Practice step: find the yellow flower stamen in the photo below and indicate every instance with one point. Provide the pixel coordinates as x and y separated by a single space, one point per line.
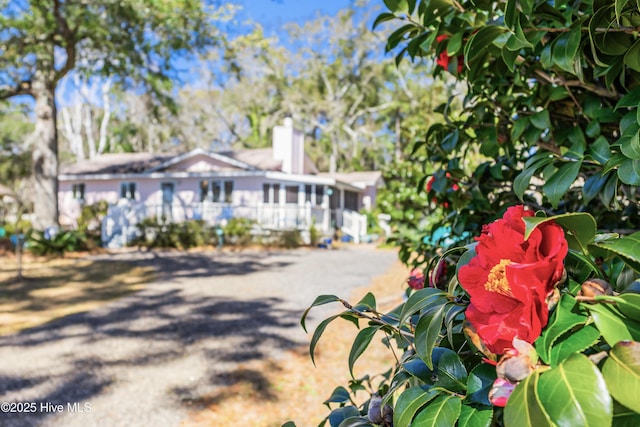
497 279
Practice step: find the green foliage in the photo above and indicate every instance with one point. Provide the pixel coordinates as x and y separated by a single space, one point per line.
38 243
184 235
90 220
237 231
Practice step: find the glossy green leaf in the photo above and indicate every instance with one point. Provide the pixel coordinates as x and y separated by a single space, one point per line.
471 416
621 371
630 100
541 120
322 299
627 247
611 325
566 316
451 373
558 184
629 305
521 182
524 408
600 150
442 412
455 43
419 369
356 422
624 417
367 303
632 57
360 344
338 415
480 41
409 402
479 383
397 6
421 299
574 342
592 186
565 49
629 172
630 145
383 17
339 395
575 394
317 334
581 225
427 333
289 424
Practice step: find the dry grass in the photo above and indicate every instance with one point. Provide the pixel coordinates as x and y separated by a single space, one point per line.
53 288
269 393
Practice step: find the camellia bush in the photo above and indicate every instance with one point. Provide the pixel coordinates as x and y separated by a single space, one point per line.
526 310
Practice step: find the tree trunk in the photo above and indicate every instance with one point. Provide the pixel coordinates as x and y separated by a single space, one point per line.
45 152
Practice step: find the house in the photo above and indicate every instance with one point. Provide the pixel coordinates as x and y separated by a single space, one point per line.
278 187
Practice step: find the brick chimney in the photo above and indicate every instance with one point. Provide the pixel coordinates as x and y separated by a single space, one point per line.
288 147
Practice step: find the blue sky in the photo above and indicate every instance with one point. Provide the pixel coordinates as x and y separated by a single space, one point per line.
272 14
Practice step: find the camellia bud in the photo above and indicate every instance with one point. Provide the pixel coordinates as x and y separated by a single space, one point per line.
517 363
375 411
595 287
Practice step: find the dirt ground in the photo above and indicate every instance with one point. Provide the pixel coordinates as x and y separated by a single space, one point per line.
269 393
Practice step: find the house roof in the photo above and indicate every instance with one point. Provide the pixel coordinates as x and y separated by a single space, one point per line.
116 163
262 158
359 179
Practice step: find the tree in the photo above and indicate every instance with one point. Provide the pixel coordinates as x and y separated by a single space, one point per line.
138 43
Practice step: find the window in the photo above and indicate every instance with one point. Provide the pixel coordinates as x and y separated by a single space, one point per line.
216 191
307 193
265 193
291 194
78 191
319 194
228 191
276 193
351 200
128 190
204 191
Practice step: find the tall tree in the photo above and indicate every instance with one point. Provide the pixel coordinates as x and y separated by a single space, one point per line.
139 42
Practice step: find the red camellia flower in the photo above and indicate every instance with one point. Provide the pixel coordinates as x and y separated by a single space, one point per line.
509 279
416 279
444 59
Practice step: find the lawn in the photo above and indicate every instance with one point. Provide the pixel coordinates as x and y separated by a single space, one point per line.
53 288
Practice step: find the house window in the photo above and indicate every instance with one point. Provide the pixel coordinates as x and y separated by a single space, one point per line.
319 194
204 191
351 200
265 193
291 192
228 191
128 190
78 191
307 193
276 193
212 191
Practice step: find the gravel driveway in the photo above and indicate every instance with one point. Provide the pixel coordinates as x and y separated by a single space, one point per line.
140 360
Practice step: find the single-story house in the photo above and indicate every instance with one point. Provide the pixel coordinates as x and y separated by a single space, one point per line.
278 187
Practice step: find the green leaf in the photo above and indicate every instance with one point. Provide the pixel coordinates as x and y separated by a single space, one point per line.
360 344
521 182
289 424
592 186
356 422
566 316
565 49
524 408
339 395
383 17
455 43
627 247
600 150
409 402
480 42
420 300
575 394
629 305
630 145
322 299
629 172
621 372
418 369
575 342
367 303
630 100
558 184
426 335
338 415
632 57
442 412
541 120
317 334
451 373
612 327
580 225
397 6
479 383
471 416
